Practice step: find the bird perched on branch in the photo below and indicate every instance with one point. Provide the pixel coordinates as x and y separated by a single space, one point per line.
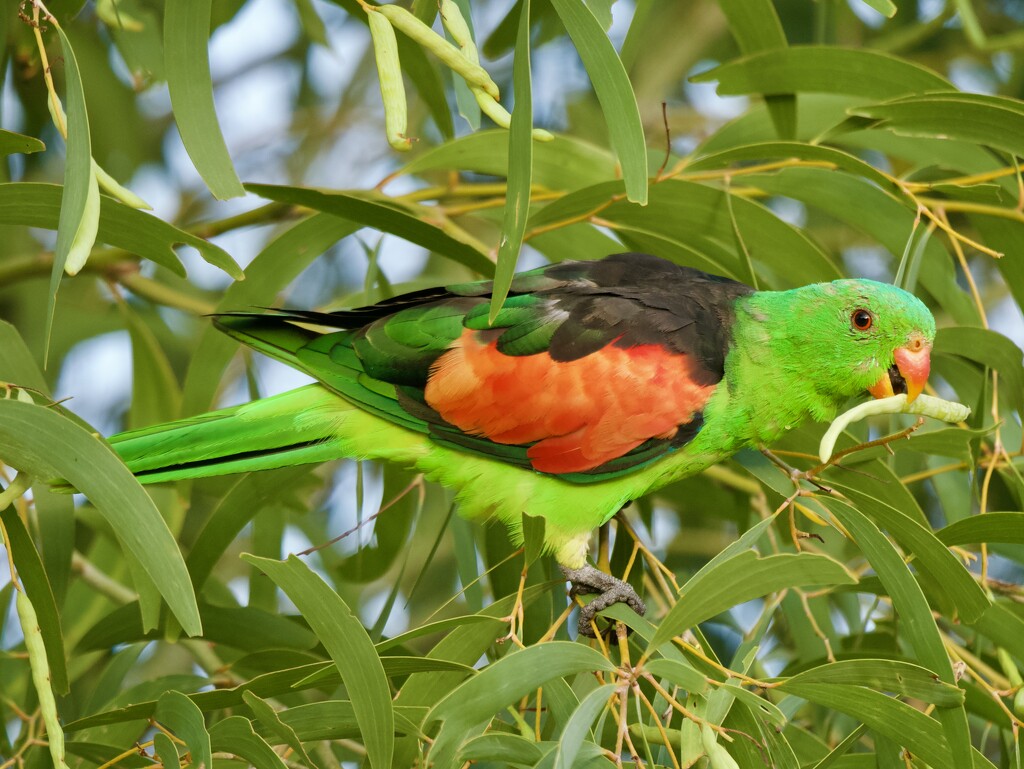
597 383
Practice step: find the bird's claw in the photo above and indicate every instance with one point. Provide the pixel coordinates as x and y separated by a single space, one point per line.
588 580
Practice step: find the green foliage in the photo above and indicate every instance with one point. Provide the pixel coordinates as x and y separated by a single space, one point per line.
889 633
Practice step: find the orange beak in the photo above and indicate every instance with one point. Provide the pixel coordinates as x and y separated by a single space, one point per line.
910 372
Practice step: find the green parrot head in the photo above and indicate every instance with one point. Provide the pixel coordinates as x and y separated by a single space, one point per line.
857 335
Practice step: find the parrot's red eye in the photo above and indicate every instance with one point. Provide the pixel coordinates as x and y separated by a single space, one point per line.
862 320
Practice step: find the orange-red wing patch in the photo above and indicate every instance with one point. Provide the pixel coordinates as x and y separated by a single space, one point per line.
581 413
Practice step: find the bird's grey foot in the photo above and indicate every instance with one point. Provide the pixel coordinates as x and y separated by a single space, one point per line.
589 580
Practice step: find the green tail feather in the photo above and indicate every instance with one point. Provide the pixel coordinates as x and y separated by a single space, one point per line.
289 429
297 427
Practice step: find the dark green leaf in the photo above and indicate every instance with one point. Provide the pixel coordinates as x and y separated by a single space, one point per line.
165 749
682 674
932 557
578 730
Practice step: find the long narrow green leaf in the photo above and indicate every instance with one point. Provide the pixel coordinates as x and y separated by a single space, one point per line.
179 714
270 719
989 348
44 443
336 720
386 216
502 749
394 666
17 366
740 578
682 674
991 527
237 507
55 513
55 520
991 120
156 395
921 735
580 724
235 735
187 62
915 615
349 645
840 750
79 212
765 150
432 627
165 750
564 163
520 168
903 678
940 564
756 26
241 627
823 69
39 205
512 677
1004 627
467 103
614 92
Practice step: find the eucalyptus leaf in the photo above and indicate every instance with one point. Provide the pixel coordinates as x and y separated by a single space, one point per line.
41 442
187 63
348 644
743 577
823 69
613 91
